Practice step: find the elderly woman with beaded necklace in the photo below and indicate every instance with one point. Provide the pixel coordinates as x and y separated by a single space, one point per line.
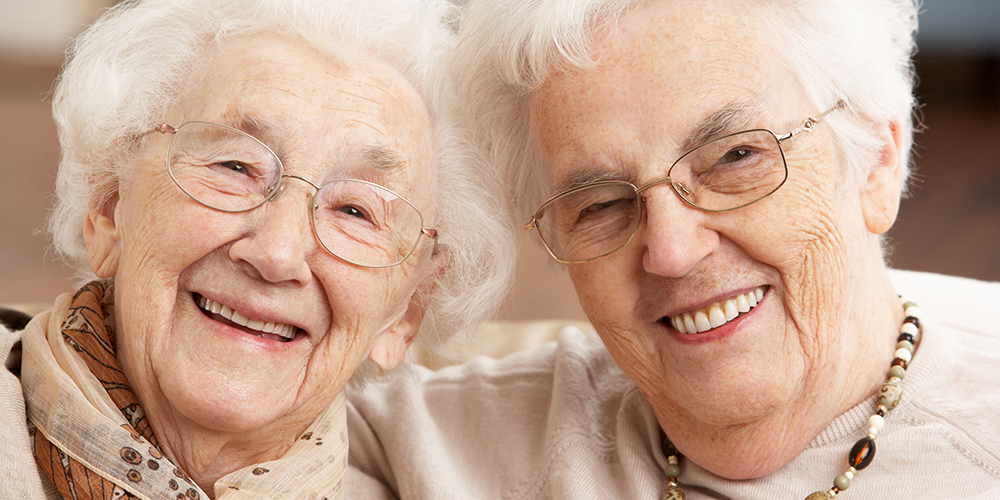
718 177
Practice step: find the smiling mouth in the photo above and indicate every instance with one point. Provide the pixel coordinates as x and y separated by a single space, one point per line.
716 314
225 314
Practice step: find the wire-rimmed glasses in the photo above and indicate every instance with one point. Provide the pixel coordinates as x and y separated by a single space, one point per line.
226 169
721 175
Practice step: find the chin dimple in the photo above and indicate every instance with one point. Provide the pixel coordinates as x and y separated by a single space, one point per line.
717 314
286 332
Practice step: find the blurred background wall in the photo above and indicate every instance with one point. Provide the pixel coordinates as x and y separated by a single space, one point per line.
950 225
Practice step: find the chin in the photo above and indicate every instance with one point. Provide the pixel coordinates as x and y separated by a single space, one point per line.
224 406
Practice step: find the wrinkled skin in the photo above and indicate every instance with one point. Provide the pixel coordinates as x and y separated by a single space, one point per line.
220 398
745 398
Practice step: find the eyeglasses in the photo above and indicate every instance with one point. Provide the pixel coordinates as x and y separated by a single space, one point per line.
228 170
724 174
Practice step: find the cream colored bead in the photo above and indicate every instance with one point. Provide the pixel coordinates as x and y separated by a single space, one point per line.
876 422
904 354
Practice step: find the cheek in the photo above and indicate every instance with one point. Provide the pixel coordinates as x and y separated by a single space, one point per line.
808 240
607 289
799 225
361 299
164 230
163 233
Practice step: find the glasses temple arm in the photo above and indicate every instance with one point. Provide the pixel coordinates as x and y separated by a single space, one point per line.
811 122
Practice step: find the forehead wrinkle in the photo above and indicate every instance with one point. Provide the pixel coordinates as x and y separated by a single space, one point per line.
391 92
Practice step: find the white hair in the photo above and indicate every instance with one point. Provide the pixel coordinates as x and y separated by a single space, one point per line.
126 70
858 51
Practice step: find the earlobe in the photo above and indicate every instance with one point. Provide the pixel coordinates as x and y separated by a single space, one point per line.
102 237
883 187
389 348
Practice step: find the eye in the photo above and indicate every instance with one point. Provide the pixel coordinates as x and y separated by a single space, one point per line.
352 211
735 155
597 207
236 166
603 214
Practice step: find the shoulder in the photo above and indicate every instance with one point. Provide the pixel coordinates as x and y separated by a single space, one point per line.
953 378
488 421
954 300
17 463
575 369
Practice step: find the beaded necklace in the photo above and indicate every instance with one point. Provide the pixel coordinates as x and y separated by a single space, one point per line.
863 451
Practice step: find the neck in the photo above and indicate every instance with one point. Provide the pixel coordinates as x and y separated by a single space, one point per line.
208 455
851 373
207 458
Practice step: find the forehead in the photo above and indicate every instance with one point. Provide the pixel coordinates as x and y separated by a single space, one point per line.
325 113
670 75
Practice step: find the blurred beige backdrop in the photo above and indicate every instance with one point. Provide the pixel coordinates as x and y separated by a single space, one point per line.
951 224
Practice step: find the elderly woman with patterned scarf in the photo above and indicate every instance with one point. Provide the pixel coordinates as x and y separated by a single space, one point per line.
717 177
264 195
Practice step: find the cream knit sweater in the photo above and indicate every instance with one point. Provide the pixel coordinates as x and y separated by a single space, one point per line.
564 422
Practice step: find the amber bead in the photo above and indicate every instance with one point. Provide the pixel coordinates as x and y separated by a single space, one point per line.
862 453
900 362
912 319
905 336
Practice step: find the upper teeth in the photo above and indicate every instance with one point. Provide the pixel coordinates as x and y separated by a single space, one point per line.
280 329
718 313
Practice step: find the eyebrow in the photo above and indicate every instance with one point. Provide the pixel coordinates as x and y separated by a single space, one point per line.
382 158
257 128
731 118
585 176
735 116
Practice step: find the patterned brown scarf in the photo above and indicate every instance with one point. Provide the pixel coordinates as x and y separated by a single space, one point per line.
88 330
91 452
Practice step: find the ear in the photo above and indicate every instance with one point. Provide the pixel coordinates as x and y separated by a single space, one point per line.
389 347
101 234
884 186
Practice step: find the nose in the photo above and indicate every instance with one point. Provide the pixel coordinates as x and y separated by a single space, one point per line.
280 239
674 234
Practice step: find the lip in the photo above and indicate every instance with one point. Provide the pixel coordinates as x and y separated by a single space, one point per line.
244 333
719 333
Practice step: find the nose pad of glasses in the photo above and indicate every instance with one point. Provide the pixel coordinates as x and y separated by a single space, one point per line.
275 190
683 192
